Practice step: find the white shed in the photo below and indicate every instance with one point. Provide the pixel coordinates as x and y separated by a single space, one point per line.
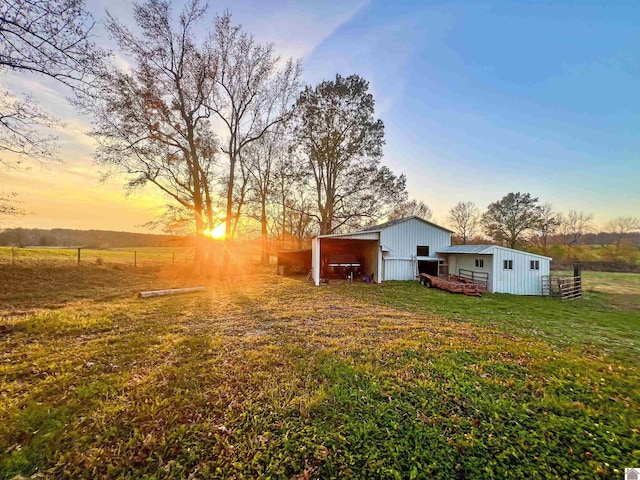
395 250
509 270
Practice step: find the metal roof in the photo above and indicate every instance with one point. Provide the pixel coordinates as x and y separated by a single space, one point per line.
478 249
351 235
484 250
400 220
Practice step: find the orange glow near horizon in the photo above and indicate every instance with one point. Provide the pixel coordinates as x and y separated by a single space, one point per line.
218 233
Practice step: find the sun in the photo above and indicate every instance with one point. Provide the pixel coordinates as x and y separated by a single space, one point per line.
217 233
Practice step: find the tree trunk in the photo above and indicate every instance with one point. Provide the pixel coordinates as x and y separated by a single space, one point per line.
283 197
265 237
199 243
324 228
227 224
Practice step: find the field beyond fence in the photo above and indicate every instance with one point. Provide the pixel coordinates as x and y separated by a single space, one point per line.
138 256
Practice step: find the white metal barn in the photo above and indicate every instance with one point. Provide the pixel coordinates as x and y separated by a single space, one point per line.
395 250
509 271
400 249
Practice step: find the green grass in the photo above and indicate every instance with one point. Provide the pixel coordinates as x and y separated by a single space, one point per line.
142 256
24 288
268 377
605 322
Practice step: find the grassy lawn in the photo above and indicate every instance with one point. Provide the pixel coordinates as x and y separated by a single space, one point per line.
269 377
142 256
605 323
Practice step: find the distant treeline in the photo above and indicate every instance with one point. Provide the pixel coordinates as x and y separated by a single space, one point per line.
61 237
604 238
600 238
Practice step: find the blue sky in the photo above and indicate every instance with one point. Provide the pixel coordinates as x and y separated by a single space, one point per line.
483 99
478 99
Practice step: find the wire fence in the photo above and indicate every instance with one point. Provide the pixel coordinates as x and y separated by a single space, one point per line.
136 257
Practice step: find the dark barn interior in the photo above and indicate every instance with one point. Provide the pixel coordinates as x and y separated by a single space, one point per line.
294 262
341 258
430 267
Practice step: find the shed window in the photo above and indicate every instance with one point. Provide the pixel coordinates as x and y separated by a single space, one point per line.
423 250
535 264
480 262
507 264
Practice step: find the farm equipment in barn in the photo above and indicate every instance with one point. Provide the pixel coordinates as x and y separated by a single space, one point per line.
453 283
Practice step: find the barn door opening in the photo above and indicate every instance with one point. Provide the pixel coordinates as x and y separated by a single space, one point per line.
430 267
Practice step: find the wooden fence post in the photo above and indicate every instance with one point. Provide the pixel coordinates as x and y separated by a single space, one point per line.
135 258
79 255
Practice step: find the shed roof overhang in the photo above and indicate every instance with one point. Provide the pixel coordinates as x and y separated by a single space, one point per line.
484 250
370 235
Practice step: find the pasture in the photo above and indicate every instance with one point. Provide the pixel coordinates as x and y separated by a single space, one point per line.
142 256
269 377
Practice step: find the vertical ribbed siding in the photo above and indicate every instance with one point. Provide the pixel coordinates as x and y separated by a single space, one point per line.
403 238
452 264
399 270
402 241
467 261
521 280
315 260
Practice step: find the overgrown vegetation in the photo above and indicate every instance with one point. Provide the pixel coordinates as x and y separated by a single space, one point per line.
271 377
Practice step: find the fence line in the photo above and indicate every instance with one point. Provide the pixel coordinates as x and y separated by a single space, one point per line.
143 256
567 288
570 288
476 277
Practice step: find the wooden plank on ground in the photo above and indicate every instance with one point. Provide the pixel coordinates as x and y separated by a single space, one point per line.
171 291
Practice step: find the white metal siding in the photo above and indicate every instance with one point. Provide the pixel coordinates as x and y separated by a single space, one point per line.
315 260
468 262
452 263
399 269
521 280
402 241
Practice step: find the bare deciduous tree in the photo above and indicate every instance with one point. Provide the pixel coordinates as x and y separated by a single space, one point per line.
299 217
20 121
291 199
549 224
262 158
573 226
152 122
49 37
342 143
44 37
253 94
8 205
411 208
464 217
620 227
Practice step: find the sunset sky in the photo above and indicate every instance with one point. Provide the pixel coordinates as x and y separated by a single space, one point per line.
478 100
